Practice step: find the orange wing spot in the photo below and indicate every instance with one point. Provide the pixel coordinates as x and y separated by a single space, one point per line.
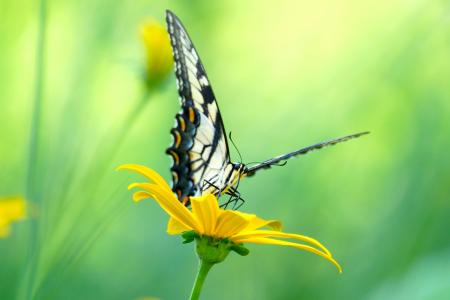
191 114
175 156
177 136
178 193
182 124
185 200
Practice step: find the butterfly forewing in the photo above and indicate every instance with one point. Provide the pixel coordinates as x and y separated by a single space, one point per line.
200 148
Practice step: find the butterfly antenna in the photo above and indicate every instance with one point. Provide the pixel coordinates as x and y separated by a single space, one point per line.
234 145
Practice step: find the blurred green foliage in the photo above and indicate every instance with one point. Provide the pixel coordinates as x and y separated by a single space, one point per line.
286 74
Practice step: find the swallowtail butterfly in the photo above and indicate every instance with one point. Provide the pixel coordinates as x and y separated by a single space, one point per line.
201 158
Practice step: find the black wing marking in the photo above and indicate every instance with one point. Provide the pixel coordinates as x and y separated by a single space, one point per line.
282 158
200 153
193 84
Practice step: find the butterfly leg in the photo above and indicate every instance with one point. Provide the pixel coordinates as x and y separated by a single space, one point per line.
232 199
207 184
235 198
225 205
239 200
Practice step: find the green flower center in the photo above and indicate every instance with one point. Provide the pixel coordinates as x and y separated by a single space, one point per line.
213 250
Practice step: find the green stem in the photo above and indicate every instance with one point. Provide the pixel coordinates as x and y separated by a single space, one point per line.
37 102
26 288
203 270
130 120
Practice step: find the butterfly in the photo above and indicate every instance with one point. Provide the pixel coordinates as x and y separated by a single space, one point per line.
200 152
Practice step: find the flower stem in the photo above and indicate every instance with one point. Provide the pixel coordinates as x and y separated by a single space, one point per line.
203 270
37 102
26 289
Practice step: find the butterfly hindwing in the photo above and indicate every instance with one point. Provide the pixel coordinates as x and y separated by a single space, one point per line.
183 133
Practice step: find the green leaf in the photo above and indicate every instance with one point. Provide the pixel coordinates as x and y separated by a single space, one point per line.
240 249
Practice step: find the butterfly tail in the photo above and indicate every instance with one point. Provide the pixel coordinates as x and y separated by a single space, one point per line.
281 160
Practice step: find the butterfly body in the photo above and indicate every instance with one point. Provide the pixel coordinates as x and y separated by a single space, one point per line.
224 180
200 152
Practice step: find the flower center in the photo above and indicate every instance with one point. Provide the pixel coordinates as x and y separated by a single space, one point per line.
213 250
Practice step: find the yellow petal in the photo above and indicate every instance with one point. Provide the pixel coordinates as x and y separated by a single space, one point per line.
257 222
269 241
12 208
206 210
147 172
138 196
176 227
231 222
271 233
168 202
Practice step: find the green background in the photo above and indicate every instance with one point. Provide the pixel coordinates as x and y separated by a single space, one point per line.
286 74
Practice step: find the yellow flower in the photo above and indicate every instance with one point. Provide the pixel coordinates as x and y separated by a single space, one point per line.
207 219
159 59
11 209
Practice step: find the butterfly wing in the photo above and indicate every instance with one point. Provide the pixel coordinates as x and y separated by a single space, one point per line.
250 171
200 148
201 161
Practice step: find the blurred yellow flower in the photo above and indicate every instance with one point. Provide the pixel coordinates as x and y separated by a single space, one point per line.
207 219
11 209
159 59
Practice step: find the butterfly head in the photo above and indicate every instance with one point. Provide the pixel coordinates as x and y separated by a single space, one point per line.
239 169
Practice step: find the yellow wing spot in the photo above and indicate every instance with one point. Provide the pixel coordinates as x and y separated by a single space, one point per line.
175 156
175 176
193 155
